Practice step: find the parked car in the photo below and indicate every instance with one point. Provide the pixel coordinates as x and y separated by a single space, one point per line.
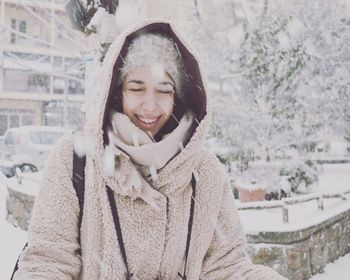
31 144
1 146
8 168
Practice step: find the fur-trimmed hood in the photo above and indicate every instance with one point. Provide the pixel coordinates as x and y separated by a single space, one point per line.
196 95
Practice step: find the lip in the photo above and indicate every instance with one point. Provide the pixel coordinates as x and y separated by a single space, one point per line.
149 125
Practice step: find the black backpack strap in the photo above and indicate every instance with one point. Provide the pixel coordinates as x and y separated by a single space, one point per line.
116 220
78 180
190 223
118 230
16 266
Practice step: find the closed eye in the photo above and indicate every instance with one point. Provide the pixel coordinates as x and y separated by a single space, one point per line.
135 89
166 91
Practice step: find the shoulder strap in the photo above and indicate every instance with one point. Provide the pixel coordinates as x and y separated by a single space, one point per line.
16 265
118 230
190 222
78 180
115 215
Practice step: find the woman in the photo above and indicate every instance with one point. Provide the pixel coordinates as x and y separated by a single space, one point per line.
157 204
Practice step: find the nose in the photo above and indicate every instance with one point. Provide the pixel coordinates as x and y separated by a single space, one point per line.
149 102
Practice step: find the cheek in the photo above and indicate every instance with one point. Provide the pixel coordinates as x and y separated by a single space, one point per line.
129 104
167 105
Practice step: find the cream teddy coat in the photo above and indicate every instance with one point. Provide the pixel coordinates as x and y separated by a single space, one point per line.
154 235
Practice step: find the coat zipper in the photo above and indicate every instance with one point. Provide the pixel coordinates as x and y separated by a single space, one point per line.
166 236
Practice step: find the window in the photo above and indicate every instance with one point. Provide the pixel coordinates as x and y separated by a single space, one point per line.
15 80
58 63
27 119
75 87
44 137
19 26
14 27
9 138
38 83
3 124
15 117
61 28
22 26
58 85
72 87
14 120
13 23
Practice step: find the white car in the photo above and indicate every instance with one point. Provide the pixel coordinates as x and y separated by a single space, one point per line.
31 144
1 146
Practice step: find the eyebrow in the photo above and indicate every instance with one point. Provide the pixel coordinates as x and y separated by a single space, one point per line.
160 83
136 82
165 83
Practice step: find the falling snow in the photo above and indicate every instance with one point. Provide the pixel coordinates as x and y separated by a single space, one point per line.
279 80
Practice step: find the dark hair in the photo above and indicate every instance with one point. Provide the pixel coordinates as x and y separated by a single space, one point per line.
178 111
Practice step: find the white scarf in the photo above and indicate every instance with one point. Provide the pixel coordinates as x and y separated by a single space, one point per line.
149 156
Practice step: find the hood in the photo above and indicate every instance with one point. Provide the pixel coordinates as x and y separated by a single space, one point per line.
195 91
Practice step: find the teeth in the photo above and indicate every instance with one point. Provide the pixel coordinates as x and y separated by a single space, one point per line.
148 121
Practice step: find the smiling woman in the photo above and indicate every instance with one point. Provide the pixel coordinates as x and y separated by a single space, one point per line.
152 77
152 97
148 98
157 203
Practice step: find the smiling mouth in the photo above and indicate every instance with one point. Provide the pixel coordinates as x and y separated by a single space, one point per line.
147 123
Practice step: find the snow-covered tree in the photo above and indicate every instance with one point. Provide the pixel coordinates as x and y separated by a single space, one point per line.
286 73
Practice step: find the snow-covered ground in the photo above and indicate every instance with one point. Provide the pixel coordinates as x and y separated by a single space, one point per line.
339 270
334 178
12 239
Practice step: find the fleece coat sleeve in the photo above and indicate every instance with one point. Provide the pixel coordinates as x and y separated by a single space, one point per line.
226 258
53 231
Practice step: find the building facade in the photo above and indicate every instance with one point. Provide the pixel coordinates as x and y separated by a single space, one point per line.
41 66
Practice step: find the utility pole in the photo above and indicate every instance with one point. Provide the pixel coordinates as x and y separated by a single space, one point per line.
2 61
65 100
52 38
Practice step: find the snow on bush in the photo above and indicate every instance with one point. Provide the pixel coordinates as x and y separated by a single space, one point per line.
302 176
279 178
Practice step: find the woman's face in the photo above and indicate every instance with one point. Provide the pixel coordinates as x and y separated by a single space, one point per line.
148 97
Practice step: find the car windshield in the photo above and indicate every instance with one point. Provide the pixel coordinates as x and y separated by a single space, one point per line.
45 137
9 138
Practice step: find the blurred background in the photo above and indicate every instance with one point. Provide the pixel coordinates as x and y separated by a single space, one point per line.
278 73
